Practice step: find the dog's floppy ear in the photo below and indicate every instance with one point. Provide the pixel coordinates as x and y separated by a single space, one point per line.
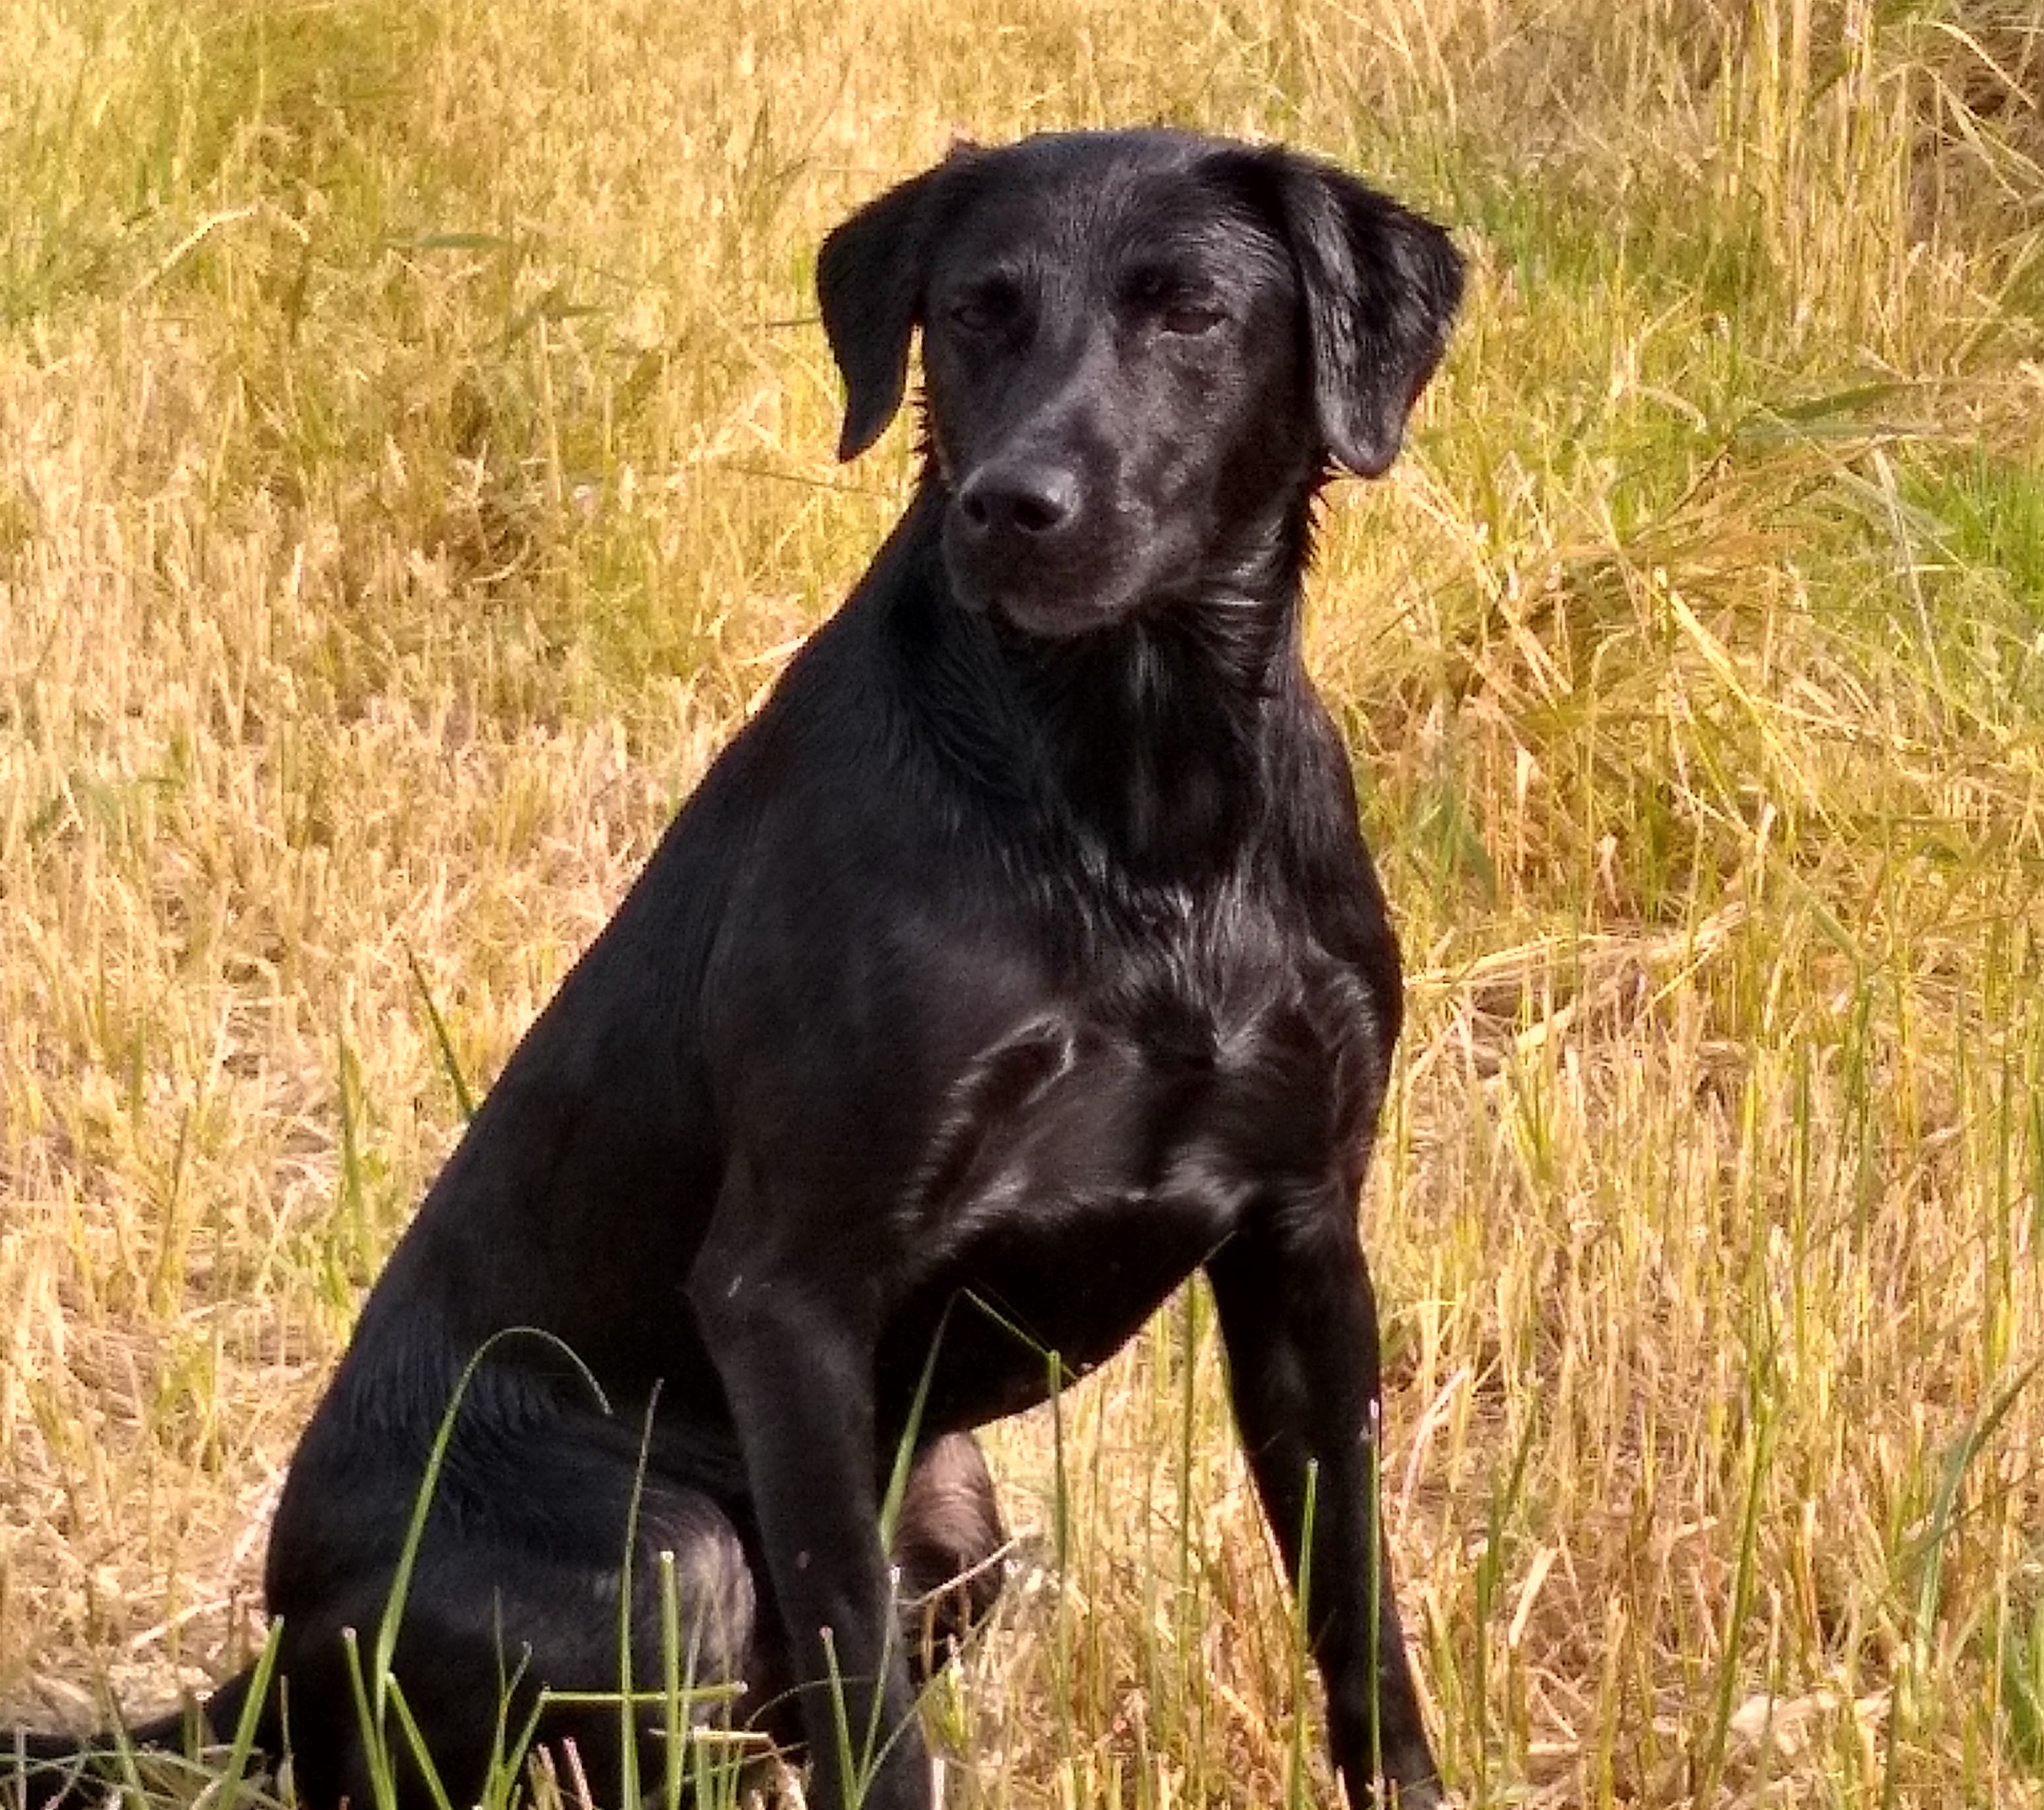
1380 287
870 278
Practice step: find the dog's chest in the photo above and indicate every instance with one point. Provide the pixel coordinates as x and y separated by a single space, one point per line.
1090 1159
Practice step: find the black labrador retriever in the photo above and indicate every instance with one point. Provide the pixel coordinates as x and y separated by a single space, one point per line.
1021 958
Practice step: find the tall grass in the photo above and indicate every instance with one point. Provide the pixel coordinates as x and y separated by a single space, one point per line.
414 458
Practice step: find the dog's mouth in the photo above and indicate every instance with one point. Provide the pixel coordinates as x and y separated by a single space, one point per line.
1053 597
1056 616
1047 613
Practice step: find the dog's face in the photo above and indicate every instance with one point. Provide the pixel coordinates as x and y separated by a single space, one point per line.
1141 351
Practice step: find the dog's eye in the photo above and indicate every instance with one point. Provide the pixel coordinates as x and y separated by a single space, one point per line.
1178 310
982 311
1188 319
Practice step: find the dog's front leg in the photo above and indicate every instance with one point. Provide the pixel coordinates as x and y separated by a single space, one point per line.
1299 1321
799 1384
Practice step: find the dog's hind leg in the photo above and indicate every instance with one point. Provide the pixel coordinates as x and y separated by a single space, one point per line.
521 1617
949 1551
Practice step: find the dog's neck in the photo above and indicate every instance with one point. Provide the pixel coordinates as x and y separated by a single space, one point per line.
1145 745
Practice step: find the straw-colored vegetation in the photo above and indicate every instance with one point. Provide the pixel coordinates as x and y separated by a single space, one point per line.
414 457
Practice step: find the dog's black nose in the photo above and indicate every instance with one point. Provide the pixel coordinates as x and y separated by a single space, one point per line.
1031 499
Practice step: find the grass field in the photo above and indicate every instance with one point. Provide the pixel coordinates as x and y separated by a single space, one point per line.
415 446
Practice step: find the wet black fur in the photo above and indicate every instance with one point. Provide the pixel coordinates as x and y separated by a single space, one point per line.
1019 959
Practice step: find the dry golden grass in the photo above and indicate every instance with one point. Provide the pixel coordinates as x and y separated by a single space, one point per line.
414 446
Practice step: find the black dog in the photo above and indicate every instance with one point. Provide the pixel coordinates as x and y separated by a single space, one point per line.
1019 959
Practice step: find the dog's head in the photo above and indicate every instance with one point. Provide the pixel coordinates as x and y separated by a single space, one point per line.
1141 351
